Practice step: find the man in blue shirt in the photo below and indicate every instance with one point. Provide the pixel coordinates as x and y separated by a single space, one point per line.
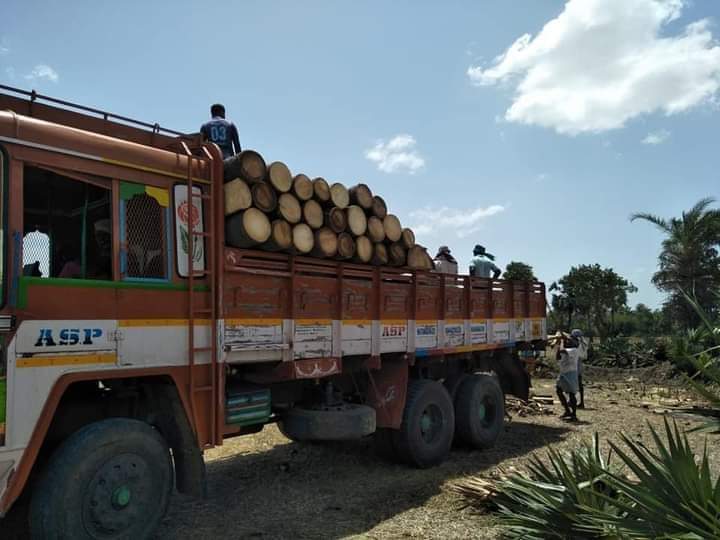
221 132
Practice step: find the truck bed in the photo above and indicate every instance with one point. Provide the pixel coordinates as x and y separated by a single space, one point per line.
282 307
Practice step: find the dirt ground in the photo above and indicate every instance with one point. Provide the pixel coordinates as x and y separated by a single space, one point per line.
263 486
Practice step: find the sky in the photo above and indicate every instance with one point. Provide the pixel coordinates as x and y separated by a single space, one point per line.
533 128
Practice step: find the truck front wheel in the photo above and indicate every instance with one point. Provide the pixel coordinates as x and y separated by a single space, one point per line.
110 479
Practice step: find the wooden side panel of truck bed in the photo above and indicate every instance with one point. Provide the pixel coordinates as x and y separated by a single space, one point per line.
279 307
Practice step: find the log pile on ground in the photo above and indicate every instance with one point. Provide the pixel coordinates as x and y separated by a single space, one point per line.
269 208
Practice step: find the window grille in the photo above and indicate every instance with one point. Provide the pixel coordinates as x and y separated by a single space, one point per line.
145 238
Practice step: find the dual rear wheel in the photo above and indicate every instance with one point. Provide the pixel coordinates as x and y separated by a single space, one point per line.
432 420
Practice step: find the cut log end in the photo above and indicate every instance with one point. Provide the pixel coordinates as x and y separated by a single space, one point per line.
289 208
237 196
361 196
248 165
339 195
326 243
313 214
303 238
408 238
375 229
279 176
302 187
346 246
336 219
263 197
357 222
380 254
379 208
321 189
363 249
281 238
397 255
247 229
393 229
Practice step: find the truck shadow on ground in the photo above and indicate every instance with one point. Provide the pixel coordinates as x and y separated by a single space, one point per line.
330 490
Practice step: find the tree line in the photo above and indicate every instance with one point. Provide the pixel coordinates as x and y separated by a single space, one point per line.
595 298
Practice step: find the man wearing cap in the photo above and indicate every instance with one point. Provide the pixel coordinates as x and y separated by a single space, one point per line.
445 263
222 132
482 264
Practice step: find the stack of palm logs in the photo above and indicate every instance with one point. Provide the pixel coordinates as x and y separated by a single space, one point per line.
269 208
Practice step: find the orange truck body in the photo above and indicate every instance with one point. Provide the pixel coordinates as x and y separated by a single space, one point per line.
271 319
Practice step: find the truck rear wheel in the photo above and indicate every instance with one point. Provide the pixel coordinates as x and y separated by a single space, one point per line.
110 479
426 433
479 411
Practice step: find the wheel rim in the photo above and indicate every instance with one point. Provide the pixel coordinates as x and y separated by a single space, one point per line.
431 423
119 496
487 411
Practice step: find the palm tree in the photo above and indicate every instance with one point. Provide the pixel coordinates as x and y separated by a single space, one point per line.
688 259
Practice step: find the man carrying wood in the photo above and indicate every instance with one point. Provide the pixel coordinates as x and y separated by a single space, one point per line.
582 356
221 132
567 381
482 264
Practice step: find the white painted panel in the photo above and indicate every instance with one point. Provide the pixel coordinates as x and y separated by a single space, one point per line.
356 338
312 340
500 331
478 332
393 337
426 335
454 334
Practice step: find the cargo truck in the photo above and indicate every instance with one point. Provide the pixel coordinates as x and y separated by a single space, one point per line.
133 338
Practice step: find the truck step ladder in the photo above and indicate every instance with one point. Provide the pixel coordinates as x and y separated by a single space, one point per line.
202 300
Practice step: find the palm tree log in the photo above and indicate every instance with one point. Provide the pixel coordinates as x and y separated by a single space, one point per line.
279 176
346 246
303 238
357 222
361 196
237 196
302 187
313 214
247 165
263 197
289 208
393 229
247 229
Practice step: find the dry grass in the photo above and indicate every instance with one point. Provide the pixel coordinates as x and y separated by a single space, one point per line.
263 486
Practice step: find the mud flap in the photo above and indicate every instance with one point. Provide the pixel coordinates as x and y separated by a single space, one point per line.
388 391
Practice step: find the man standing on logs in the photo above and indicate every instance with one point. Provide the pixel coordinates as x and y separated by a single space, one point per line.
221 132
482 264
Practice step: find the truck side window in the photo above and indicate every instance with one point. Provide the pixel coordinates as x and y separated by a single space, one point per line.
67 226
144 234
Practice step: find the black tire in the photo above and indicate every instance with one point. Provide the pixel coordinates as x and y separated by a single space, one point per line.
479 411
342 423
426 433
110 479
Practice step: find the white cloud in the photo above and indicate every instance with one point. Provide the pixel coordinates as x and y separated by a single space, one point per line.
602 62
4 50
541 177
433 221
396 155
43 71
656 137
